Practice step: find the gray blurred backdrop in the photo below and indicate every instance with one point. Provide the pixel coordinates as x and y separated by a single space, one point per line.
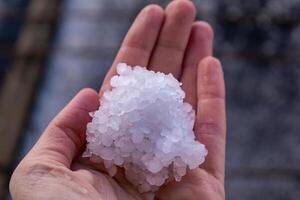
258 42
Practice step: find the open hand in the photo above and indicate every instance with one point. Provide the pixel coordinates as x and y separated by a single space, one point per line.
169 41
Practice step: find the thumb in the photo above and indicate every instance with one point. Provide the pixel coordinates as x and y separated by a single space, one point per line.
65 135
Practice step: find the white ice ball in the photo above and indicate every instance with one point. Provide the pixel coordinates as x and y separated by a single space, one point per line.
144 126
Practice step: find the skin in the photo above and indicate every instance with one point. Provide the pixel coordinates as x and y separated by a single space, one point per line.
167 40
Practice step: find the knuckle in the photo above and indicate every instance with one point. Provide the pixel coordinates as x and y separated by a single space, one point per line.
208 128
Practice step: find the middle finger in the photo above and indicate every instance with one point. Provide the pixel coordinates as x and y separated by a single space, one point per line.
168 54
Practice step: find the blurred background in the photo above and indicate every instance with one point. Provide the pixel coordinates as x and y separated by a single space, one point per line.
49 50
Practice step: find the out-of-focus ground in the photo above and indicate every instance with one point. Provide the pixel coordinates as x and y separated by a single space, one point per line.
258 42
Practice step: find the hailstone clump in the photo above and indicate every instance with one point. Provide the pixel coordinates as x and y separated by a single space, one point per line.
144 126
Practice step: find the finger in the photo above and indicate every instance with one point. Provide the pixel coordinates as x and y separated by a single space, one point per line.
169 51
200 45
211 125
65 135
139 41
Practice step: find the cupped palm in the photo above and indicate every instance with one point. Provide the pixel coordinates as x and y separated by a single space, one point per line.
169 41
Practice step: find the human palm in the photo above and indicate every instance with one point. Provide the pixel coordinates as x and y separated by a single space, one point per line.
169 41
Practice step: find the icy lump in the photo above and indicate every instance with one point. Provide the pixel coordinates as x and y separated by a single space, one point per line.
144 126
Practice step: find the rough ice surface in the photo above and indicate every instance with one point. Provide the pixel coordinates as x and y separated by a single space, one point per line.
144 126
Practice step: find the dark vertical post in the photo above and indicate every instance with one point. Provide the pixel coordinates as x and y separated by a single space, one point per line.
22 76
